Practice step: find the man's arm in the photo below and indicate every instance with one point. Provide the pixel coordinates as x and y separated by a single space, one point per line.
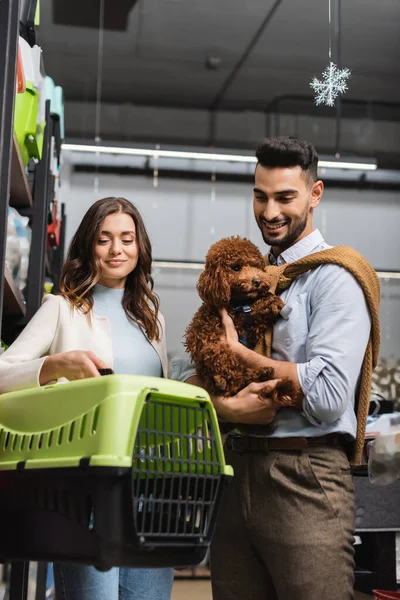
282 369
246 406
339 329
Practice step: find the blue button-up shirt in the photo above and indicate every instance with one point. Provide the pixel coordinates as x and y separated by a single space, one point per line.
324 328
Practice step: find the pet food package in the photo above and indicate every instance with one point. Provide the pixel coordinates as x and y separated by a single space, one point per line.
384 456
18 247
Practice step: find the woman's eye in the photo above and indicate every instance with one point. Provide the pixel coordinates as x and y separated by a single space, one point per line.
127 241
236 268
102 242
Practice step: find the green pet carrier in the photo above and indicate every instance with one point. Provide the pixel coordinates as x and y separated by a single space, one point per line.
113 471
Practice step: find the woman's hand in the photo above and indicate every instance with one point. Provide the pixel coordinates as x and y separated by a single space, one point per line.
248 406
78 364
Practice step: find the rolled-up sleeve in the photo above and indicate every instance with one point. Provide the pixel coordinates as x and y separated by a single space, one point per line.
182 369
339 329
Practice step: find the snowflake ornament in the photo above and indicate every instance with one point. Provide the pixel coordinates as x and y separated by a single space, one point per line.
333 83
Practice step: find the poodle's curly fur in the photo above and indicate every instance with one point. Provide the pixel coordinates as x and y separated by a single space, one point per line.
234 272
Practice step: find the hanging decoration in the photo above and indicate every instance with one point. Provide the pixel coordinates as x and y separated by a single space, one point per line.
99 79
155 168
99 87
334 79
332 85
213 198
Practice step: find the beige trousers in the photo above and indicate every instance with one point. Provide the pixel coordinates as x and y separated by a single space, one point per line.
285 528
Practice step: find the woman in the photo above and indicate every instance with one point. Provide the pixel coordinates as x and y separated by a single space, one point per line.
106 316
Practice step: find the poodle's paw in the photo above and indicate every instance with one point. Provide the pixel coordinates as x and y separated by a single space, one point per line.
285 393
284 400
267 394
220 382
266 375
275 304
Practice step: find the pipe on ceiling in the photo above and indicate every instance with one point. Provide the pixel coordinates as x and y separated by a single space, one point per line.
215 104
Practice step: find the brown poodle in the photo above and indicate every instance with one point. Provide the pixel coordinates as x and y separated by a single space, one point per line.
234 278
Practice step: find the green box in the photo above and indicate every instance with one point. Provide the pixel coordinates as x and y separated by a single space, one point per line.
118 470
114 421
25 125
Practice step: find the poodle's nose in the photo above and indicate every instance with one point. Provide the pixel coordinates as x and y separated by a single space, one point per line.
256 283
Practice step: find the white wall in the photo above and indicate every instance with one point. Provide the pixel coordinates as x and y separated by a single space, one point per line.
185 217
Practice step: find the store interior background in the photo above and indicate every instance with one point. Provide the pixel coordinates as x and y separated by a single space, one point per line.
174 72
185 217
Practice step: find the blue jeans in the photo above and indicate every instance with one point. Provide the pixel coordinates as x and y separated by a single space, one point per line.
78 582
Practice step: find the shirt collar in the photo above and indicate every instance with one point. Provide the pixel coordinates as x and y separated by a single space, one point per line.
302 248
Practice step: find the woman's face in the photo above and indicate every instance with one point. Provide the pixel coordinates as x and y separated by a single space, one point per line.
117 250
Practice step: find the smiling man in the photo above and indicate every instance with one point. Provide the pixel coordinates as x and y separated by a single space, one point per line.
285 197
285 528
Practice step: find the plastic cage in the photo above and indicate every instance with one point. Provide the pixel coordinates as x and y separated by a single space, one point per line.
112 471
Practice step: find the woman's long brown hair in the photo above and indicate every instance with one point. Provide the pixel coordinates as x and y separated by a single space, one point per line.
81 271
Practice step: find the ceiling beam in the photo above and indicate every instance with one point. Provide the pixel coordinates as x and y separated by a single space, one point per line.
86 13
246 53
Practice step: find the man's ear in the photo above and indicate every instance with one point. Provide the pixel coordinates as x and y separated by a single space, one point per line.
316 193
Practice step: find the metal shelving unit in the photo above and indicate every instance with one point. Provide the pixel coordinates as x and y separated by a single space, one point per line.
20 192
13 302
9 24
15 191
43 190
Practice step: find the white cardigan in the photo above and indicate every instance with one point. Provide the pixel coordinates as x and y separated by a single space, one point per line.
55 328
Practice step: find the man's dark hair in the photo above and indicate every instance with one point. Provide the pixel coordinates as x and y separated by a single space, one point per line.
289 152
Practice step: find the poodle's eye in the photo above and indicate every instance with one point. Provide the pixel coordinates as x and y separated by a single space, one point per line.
236 268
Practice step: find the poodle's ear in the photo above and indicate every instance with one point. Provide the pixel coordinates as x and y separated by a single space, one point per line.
213 287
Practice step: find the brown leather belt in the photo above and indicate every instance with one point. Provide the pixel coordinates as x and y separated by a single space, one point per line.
255 444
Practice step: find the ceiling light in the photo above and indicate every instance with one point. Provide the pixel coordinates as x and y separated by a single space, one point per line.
168 264
220 157
159 153
176 264
356 165
388 274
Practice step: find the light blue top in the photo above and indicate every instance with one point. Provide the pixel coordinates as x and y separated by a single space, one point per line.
132 351
325 327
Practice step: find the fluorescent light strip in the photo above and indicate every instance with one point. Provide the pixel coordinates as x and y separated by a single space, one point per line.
387 275
159 153
166 264
329 164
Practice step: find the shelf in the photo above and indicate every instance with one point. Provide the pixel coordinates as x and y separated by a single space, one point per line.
196 572
13 303
20 193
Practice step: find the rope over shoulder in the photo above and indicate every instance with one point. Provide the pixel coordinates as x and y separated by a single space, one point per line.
348 258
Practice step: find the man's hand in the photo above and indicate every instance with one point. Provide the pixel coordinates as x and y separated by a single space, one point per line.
247 407
282 369
230 335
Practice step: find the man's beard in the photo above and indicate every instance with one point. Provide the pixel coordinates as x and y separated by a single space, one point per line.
294 232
